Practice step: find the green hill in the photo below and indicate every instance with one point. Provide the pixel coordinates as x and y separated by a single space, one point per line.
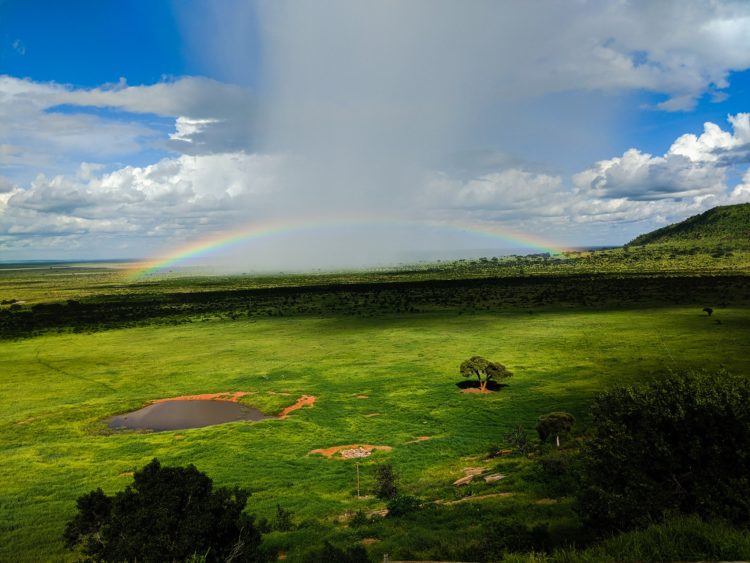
726 224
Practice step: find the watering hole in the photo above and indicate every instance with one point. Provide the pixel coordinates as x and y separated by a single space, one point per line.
180 414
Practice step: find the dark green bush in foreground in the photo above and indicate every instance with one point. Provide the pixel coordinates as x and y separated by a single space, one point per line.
332 554
681 443
684 538
167 514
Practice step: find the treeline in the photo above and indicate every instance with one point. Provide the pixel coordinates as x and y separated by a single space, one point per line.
372 299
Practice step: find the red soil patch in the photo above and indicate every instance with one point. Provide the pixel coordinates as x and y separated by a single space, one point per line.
304 400
332 451
226 396
476 390
418 439
369 541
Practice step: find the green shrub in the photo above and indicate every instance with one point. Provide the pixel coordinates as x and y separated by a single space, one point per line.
519 439
683 538
283 520
504 536
403 504
554 425
681 443
558 472
331 554
167 514
385 482
359 519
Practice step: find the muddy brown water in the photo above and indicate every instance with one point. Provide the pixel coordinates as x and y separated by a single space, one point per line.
177 415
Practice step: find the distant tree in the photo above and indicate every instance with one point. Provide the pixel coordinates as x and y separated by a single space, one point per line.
679 444
167 514
554 424
484 370
385 482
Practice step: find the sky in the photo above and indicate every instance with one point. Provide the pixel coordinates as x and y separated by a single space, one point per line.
351 133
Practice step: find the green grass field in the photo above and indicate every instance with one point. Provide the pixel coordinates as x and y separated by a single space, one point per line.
57 389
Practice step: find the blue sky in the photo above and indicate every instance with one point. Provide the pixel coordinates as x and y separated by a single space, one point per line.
133 127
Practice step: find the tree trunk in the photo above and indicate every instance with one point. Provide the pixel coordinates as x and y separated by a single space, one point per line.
557 440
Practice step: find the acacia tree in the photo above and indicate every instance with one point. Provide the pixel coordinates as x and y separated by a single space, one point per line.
484 370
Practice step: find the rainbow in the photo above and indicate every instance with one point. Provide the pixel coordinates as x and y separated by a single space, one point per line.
220 241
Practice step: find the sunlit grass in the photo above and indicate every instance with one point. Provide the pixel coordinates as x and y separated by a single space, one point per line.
56 391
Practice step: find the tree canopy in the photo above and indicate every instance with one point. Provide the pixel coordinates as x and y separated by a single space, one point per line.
484 370
166 514
554 425
679 444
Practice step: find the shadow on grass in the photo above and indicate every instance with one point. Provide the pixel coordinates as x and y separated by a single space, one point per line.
470 384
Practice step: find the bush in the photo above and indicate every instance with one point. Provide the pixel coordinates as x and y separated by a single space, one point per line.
679 444
331 554
385 482
359 519
518 439
558 472
283 520
403 504
554 425
504 536
167 514
684 538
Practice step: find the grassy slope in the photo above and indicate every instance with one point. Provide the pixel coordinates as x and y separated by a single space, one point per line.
728 224
56 389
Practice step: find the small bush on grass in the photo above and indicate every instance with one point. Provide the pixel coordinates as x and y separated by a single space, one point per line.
519 439
282 522
385 482
403 504
359 519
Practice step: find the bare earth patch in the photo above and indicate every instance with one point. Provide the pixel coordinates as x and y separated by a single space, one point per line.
469 474
362 396
476 390
372 414
350 451
418 439
303 401
230 396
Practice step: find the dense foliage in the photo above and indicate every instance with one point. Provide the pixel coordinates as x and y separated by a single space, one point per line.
167 514
554 425
680 443
484 370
